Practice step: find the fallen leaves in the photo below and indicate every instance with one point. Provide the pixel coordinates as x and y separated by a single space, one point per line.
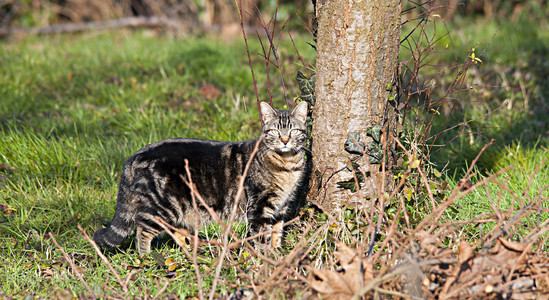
171 264
61 266
506 270
354 272
158 258
6 167
114 80
209 91
62 294
7 210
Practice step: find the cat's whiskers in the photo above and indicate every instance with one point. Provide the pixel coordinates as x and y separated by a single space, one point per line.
305 149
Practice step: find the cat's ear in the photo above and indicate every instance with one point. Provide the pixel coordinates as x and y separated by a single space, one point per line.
300 112
267 112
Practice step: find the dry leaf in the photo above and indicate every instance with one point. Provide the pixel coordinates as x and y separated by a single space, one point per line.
62 294
180 237
171 264
353 274
209 91
6 210
6 167
516 246
427 241
509 253
158 258
465 252
114 80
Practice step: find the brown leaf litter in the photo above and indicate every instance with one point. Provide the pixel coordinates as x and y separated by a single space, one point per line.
354 273
507 270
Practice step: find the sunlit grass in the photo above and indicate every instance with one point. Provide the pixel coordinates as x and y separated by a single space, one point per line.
73 109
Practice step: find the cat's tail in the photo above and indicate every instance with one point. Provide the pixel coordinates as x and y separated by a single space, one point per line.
123 222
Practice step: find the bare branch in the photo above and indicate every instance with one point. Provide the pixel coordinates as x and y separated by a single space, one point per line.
73 266
100 25
105 260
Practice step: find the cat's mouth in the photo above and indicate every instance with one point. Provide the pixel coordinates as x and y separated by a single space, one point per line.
285 150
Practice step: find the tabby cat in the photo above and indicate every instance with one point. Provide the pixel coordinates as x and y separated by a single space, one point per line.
151 183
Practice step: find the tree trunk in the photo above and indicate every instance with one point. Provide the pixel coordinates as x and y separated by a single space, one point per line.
357 51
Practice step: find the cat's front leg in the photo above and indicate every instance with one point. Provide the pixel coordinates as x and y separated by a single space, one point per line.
277 235
269 235
264 219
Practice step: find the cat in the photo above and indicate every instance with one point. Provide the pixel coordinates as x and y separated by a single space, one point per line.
151 184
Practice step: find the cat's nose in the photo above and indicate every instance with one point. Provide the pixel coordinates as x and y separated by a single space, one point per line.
285 139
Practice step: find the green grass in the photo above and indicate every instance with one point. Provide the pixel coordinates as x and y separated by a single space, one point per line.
524 183
503 98
73 109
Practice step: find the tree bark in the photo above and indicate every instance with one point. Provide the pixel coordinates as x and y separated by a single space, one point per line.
357 51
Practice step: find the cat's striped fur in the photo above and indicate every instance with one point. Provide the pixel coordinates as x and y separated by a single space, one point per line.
151 183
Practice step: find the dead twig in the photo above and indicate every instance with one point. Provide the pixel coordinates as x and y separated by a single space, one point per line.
73 266
237 197
161 290
105 260
238 4
196 225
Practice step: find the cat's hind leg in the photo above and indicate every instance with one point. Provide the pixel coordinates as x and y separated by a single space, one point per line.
146 230
144 238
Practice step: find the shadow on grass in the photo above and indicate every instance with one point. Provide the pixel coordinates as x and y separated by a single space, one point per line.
508 128
512 83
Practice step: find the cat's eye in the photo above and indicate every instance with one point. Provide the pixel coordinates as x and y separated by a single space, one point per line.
295 131
273 132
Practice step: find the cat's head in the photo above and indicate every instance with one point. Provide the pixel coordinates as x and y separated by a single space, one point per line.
285 130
